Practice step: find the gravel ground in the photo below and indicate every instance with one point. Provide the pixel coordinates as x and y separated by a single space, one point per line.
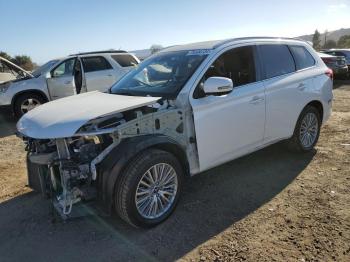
268 206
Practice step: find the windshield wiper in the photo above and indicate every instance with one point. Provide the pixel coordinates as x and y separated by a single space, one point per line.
124 93
143 83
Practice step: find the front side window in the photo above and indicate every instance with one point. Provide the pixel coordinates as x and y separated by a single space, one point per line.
303 59
125 60
237 64
95 63
277 60
163 74
64 69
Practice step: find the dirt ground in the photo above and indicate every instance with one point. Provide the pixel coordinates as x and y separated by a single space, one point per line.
268 206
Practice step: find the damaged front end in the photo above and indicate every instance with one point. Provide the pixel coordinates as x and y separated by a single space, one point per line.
61 169
67 169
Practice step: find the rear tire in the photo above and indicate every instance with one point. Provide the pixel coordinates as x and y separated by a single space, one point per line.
26 102
307 131
141 202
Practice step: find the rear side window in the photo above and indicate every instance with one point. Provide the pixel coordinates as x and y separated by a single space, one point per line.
95 63
277 60
303 59
125 60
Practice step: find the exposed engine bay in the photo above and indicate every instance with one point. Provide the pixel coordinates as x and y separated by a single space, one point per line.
68 168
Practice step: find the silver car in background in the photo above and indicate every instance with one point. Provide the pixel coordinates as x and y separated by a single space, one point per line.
58 78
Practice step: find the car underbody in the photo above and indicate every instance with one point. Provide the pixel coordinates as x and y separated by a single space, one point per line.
69 168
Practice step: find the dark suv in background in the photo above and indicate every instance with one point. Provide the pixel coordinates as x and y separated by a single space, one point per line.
340 52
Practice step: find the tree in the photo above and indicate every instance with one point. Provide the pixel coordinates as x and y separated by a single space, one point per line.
24 62
155 48
5 55
316 41
330 44
325 38
344 41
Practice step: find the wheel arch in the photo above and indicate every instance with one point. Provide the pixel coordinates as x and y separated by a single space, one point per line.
110 169
318 105
28 91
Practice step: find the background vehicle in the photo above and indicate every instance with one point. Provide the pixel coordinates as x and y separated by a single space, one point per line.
67 76
340 52
210 103
336 63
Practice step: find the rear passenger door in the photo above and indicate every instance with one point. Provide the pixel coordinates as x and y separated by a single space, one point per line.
287 79
98 73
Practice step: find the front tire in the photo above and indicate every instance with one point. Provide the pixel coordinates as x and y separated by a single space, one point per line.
26 102
149 188
307 130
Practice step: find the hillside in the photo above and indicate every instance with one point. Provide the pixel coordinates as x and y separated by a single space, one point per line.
332 35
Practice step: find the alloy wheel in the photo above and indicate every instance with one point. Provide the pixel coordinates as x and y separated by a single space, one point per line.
156 191
308 130
29 104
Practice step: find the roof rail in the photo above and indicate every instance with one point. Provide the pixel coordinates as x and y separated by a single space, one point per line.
252 37
99 52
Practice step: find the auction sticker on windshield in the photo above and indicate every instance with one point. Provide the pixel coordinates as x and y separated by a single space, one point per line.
199 52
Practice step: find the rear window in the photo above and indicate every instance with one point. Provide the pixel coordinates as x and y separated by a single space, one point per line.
125 60
343 53
95 63
277 60
303 59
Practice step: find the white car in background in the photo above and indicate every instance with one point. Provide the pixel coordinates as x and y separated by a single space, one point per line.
75 74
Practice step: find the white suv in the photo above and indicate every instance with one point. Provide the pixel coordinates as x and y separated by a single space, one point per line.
182 111
63 77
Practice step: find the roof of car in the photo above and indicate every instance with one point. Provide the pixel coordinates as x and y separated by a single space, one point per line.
338 49
100 52
217 43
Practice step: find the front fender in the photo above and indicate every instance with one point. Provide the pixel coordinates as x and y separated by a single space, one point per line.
110 169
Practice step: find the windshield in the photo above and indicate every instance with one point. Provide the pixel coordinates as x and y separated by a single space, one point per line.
45 67
161 75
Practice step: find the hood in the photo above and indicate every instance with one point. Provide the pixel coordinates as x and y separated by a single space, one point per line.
63 117
17 69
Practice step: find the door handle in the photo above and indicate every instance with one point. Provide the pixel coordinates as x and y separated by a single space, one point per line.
256 100
110 75
301 86
67 82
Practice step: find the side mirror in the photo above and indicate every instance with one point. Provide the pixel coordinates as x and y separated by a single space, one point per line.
48 75
217 85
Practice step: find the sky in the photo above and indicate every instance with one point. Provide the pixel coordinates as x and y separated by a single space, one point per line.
48 29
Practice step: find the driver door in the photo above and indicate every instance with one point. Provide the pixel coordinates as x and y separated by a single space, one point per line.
61 83
231 125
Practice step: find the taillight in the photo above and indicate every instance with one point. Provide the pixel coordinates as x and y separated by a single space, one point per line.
329 73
